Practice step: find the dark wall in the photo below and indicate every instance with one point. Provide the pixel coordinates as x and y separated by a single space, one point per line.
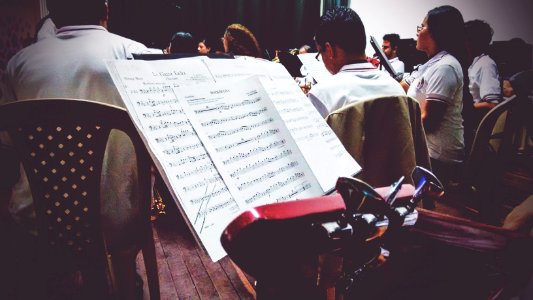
511 56
277 24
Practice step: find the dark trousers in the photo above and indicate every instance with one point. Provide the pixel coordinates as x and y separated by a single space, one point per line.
446 172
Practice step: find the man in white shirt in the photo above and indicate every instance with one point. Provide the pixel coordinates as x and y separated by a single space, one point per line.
390 49
71 65
341 41
483 73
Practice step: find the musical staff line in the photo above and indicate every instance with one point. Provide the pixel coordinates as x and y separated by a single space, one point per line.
274 187
227 106
240 129
241 156
266 176
258 164
234 118
258 137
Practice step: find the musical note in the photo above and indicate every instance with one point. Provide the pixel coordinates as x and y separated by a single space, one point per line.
234 118
227 106
274 187
241 156
153 103
167 124
178 149
196 171
260 136
258 164
202 183
159 114
240 129
174 137
266 176
189 159
209 195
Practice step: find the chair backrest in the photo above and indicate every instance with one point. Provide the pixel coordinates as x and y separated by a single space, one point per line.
498 144
61 144
384 135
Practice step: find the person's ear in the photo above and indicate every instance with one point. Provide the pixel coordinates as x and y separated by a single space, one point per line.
104 15
330 50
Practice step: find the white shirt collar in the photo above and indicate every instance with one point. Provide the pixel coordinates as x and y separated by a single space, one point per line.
358 67
79 28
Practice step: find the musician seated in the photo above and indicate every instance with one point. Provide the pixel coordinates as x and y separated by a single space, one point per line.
341 41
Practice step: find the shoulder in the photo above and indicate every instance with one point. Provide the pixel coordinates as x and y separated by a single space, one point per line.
446 66
26 53
130 45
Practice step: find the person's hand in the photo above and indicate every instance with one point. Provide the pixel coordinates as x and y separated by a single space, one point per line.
521 217
374 61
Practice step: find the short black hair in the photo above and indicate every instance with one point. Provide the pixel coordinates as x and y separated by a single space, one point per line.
479 35
76 12
342 27
183 42
393 38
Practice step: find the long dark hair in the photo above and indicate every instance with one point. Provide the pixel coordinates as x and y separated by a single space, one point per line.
446 26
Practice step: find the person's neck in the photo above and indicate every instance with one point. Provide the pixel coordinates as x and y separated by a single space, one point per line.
432 52
355 59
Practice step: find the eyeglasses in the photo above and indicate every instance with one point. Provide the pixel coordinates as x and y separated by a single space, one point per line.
317 56
419 28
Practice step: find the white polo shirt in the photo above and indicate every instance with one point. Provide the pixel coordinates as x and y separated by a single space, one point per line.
354 82
397 65
484 80
441 79
71 65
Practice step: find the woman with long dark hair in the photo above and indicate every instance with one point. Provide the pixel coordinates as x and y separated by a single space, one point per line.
438 85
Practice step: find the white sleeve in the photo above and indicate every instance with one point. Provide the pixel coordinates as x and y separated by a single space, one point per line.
318 104
442 84
489 87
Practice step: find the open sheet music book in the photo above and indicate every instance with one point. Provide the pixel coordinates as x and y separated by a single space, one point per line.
228 135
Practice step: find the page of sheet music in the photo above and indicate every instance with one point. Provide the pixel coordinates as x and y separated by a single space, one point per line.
247 139
315 67
187 167
321 148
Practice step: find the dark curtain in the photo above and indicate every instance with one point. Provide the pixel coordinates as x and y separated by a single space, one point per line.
277 24
329 4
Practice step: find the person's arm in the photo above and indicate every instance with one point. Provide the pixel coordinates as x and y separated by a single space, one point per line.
489 89
484 104
432 114
404 85
442 86
521 217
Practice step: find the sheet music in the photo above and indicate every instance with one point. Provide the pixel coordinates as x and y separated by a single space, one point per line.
319 145
315 67
269 143
175 145
249 143
321 148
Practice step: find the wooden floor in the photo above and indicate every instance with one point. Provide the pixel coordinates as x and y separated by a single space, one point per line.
185 270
